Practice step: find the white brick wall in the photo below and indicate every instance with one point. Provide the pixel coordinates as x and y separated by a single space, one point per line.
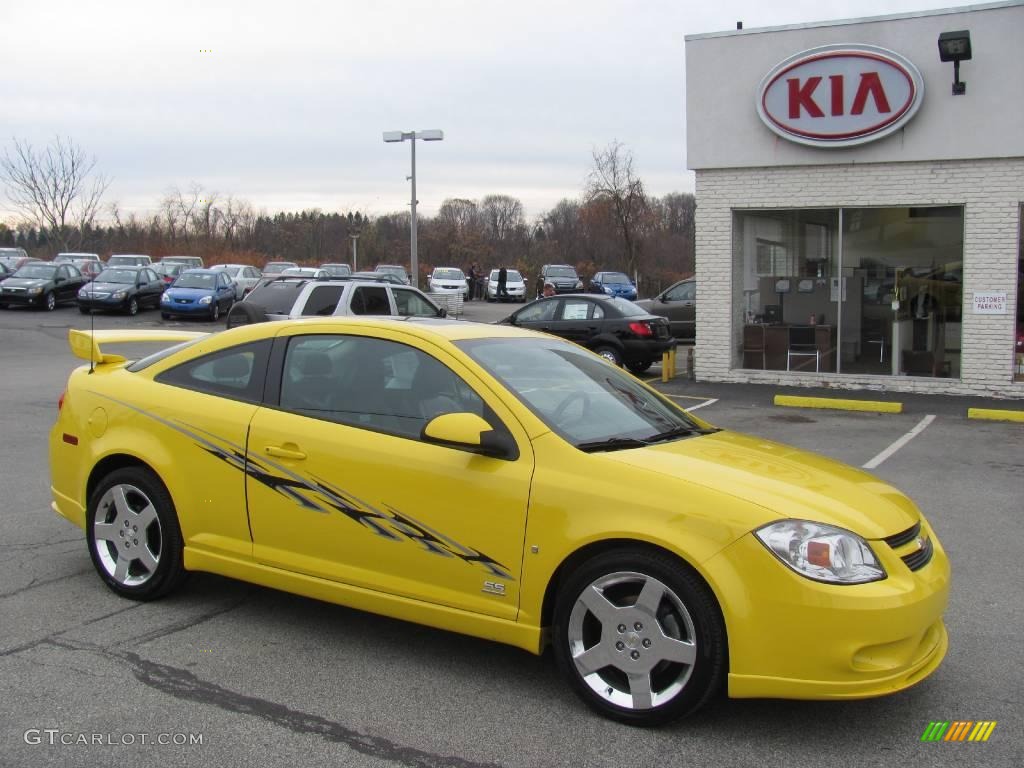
991 192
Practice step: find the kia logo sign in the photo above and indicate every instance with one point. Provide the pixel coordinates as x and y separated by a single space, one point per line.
840 95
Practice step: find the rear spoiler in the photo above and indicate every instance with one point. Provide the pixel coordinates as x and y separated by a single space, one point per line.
87 344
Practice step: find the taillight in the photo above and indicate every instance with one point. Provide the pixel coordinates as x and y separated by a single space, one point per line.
641 329
60 400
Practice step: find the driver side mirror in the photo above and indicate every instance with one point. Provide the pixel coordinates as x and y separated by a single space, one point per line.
470 432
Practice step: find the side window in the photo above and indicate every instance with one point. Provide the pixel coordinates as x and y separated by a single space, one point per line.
411 304
598 313
323 300
684 292
62 273
575 310
539 312
236 373
370 300
371 383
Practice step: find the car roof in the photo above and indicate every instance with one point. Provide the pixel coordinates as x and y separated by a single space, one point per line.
136 267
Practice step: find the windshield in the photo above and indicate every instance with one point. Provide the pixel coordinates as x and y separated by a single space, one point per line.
232 271
196 280
278 266
117 276
38 271
628 308
449 274
511 276
615 277
337 270
561 272
578 395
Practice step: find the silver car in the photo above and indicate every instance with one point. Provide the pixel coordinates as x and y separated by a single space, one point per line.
244 276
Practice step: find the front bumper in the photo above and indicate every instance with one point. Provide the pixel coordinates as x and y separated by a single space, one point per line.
185 308
793 638
108 304
22 299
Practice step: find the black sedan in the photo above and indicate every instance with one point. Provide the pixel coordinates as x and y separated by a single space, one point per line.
41 284
616 329
122 289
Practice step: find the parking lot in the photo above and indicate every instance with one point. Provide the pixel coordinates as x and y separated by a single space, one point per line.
267 678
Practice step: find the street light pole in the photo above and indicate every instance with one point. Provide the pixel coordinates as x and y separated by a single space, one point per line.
355 261
433 134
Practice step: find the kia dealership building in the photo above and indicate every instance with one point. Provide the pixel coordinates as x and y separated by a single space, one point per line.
859 194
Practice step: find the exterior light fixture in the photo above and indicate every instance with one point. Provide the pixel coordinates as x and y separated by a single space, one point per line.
955 47
391 137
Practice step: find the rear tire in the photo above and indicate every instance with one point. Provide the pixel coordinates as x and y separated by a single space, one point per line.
133 535
639 637
638 368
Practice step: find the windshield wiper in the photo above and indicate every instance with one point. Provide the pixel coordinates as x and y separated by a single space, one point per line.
678 432
611 444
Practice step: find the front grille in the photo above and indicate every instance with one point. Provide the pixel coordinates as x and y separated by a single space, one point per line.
921 558
899 539
182 301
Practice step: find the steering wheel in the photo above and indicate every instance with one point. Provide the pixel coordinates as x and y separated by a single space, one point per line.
562 407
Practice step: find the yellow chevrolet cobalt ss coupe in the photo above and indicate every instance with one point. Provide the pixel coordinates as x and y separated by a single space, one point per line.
503 484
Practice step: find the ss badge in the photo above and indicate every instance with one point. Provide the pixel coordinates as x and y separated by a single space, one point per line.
494 588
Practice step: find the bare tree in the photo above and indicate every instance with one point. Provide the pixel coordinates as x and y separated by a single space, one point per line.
55 188
612 181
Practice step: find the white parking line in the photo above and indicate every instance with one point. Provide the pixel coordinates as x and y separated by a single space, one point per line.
712 401
900 443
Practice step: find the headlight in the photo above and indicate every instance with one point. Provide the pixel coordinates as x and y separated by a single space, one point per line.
83 293
822 552
607 289
164 298
206 299
119 295
34 291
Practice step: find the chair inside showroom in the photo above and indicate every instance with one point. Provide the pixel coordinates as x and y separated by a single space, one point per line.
754 346
803 344
873 330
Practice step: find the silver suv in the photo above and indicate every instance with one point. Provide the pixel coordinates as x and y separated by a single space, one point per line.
284 298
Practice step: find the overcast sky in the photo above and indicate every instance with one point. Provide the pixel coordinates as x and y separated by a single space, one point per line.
284 103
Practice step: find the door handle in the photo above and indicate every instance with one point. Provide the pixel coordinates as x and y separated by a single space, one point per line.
285 453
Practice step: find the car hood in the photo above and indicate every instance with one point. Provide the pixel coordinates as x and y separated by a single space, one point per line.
25 282
785 481
112 287
188 293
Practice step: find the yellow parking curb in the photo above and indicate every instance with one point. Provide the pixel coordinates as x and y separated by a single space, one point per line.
875 406
994 414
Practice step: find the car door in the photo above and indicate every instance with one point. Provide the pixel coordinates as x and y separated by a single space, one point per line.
343 487
538 316
225 290
679 305
153 288
578 320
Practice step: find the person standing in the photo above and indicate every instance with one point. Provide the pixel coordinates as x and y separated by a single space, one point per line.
502 290
471 277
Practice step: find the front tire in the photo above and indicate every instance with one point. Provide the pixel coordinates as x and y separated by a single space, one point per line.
133 306
610 354
215 311
133 534
50 302
84 310
639 637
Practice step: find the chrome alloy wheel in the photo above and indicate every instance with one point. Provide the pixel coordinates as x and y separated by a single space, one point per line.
128 535
632 640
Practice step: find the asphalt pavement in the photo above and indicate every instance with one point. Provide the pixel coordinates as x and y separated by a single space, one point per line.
264 678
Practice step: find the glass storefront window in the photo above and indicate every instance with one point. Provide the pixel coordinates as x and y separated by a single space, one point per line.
854 290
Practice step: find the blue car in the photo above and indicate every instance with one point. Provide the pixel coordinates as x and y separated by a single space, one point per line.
613 284
204 292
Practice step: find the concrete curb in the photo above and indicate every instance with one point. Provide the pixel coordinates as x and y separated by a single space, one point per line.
874 406
994 414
